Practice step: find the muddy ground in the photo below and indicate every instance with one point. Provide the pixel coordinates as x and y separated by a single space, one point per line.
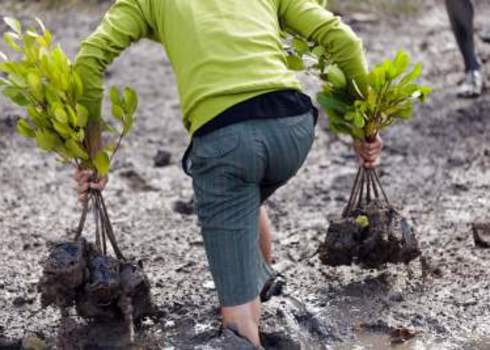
436 169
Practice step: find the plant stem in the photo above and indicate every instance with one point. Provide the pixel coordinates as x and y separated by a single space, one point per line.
381 188
118 145
348 208
361 190
110 232
83 218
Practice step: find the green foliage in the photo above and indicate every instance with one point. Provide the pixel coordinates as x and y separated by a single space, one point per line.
391 94
303 54
43 81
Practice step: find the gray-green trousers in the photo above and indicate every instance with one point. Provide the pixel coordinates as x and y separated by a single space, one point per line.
234 169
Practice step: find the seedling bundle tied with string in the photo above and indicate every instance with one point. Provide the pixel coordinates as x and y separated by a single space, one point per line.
42 80
370 231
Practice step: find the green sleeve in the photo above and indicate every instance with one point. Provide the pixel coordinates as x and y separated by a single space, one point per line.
310 20
122 25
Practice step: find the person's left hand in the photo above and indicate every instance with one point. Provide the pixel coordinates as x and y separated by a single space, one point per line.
369 152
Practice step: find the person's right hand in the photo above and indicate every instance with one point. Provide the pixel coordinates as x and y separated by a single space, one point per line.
86 180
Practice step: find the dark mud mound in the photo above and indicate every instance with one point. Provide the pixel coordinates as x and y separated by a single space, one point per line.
481 234
371 236
101 287
64 272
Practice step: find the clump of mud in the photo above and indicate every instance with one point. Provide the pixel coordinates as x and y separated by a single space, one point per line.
481 234
371 232
385 237
99 286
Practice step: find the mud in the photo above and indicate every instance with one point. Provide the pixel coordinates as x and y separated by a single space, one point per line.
101 288
387 237
481 234
437 168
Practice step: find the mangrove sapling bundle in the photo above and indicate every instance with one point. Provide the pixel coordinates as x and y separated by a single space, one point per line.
44 82
370 232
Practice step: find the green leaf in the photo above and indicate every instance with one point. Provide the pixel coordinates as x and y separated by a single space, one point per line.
60 114
18 80
336 77
295 63
359 121
39 119
130 100
78 85
300 46
102 163
35 85
115 96
377 78
82 115
118 112
3 56
76 149
128 124
358 134
412 76
45 40
14 24
80 135
72 116
401 62
16 95
390 69
350 116
63 130
48 140
330 102
10 40
318 51
24 129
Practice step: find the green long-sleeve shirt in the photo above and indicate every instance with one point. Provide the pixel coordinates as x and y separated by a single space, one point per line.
222 51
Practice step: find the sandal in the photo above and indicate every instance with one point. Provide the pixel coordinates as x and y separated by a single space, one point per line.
273 287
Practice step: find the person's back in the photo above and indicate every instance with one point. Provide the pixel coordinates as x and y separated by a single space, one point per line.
222 52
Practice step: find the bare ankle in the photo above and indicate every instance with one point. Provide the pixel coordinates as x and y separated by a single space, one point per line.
244 320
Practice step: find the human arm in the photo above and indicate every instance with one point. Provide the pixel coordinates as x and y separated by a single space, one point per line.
313 22
123 24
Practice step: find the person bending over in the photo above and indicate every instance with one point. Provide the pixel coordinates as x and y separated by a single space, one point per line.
250 125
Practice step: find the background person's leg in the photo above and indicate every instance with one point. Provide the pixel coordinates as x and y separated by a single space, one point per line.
461 13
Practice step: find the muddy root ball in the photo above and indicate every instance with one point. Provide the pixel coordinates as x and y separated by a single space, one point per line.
64 272
75 274
385 237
